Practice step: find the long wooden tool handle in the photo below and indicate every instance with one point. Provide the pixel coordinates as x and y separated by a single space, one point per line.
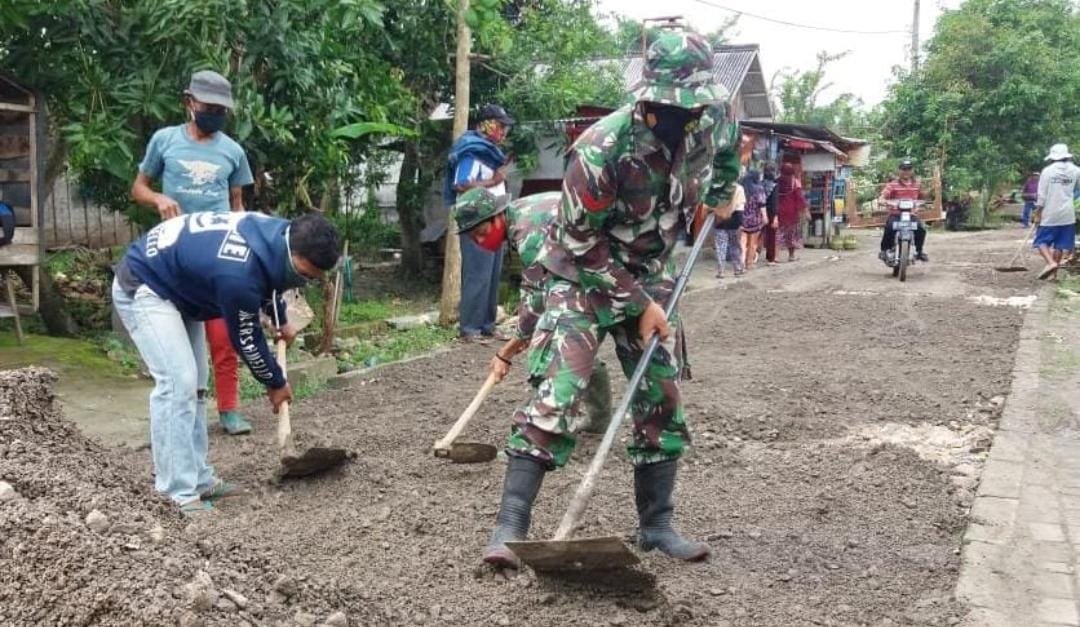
1023 243
468 414
588 483
284 427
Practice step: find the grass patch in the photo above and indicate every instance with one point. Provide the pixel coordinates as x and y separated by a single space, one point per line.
250 389
397 345
62 354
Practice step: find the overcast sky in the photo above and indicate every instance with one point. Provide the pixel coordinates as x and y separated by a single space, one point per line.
865 72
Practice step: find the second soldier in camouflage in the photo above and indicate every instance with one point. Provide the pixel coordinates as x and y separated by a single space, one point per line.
523 224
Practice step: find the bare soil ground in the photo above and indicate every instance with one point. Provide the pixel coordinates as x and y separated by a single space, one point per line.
809 523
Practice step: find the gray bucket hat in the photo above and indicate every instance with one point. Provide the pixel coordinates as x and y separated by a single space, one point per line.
210 87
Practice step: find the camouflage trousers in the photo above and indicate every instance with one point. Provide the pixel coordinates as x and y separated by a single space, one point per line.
562 357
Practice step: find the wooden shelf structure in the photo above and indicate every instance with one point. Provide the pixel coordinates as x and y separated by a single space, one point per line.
22 123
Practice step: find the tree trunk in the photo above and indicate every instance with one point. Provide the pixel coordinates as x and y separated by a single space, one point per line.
410 208
451 283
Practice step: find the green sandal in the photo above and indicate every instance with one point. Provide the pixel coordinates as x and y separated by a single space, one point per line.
196 508
221 489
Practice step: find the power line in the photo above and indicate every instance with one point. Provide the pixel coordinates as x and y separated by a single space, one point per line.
796 25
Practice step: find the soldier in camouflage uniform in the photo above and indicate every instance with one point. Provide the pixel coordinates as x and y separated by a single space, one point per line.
633 179
490 220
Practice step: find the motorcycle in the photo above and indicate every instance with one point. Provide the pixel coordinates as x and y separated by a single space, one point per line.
902 254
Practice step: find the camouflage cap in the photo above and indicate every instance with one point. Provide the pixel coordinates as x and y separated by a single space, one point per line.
476 206
678 71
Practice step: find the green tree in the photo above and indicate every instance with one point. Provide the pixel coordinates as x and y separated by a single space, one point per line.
798 95
999 85
113 72
528 56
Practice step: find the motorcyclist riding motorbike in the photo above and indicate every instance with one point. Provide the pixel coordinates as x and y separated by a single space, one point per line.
904 187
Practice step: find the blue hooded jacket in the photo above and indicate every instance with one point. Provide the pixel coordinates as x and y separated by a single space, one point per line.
474 144
219 265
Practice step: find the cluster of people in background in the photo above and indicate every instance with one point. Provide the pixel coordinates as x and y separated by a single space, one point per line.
768 210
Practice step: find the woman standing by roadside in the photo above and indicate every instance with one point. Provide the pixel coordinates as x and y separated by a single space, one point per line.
754 216
790 207
726 236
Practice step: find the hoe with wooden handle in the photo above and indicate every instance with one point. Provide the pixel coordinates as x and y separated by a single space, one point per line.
467 452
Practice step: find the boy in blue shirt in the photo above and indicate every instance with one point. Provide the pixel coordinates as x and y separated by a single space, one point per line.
201 169
198 267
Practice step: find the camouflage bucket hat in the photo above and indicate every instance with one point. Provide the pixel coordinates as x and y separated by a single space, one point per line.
678 71
476 206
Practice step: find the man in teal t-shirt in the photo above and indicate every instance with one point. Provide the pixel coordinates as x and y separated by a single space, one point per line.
201 169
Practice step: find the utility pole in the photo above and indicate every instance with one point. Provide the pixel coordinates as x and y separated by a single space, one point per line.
451 280
915 40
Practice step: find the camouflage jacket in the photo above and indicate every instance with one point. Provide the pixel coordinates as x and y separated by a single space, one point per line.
527 222
622 199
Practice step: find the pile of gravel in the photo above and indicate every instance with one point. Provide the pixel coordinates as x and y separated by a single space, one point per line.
85 540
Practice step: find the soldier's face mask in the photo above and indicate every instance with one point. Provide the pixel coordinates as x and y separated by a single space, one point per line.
492 239
669 123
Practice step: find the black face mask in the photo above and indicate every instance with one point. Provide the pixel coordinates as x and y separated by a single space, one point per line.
671 123
210 122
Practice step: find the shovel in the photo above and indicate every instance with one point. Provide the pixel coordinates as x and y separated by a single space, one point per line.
312 460
1012 267
609 552
467 452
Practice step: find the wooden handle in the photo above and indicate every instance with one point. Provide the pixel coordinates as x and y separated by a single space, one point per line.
1023 243
284 428
467 415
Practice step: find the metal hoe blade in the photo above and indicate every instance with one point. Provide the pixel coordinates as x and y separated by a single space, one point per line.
581 554
312 461
467 453
1011 268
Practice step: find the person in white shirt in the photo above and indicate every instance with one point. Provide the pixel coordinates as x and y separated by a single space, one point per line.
1054 206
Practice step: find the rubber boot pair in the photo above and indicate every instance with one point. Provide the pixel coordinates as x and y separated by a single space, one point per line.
653 486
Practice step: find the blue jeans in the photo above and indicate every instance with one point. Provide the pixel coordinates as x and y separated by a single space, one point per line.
480 274
174 350
1025 218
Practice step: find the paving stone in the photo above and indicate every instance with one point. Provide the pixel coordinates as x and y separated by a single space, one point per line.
982 587
1039 475
980 554
1057 567
984 617
1010 447
1001 479
1058 611
1048 552
1038 504
994 534
1054 585
992 520
1046 532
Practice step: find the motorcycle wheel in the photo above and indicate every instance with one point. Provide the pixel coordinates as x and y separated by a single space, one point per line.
905 256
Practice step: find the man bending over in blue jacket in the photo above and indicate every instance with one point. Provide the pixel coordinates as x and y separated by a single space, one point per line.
198 267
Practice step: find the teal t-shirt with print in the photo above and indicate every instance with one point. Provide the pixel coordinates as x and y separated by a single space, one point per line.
197 175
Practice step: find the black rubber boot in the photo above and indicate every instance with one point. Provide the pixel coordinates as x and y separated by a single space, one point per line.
653 485
523 478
